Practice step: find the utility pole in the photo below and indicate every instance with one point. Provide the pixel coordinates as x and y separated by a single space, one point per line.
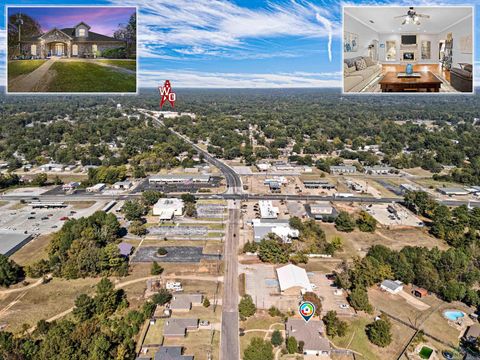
19 23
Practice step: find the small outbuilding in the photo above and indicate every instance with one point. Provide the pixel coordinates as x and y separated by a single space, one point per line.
393 287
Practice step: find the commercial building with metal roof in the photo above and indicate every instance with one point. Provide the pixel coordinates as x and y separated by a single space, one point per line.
12 241
293 279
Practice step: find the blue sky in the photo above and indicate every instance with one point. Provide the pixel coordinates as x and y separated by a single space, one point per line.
238 43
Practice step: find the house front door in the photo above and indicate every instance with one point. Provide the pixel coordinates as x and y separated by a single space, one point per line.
74 50
59 49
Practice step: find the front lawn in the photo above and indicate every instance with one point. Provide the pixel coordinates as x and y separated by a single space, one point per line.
127 64
21 67
87 77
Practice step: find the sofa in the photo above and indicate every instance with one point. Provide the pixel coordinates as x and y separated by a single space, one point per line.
461 79
356 77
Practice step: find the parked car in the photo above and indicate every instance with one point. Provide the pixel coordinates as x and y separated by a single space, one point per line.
64 218
344 306
31 217
204 323
447 355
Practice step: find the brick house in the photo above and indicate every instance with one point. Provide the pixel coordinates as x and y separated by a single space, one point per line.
77 41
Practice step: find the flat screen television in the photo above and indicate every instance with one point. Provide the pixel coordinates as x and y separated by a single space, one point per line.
409 39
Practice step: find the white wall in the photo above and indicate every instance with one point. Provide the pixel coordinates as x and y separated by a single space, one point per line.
365 36
458 30
433 38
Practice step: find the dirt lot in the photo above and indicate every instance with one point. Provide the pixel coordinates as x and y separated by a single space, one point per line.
358 243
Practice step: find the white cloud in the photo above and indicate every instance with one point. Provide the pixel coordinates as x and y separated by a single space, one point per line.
152 78
202 27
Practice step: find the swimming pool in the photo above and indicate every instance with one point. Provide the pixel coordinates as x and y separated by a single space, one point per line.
453 315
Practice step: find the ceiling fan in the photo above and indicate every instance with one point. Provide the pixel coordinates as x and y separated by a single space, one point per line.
412 17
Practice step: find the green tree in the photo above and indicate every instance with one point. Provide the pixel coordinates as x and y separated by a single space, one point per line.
379 332
162 297
274 250
258 349
277 338
150 197
358 298
246 307
344 222
40 179
188 198
133 210
156 269
206 302
137 228
84 307
334 326
106 298
292 346
10 272
366 222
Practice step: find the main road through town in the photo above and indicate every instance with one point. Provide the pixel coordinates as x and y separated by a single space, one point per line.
229 336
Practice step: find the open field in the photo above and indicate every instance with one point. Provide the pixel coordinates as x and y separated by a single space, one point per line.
79 76
33 251
43 301
21 67
358 243
356 340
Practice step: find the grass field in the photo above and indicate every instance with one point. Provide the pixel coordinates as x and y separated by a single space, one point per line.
33 251
87 77
21 67
127 64
43 301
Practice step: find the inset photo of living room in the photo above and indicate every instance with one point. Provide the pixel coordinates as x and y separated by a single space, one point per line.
401 49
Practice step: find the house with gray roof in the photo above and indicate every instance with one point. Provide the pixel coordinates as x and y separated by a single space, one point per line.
171 353
184 302
343 169
312 333
178 327
393 287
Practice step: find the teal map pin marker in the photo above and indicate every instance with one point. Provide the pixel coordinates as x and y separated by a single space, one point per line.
306 310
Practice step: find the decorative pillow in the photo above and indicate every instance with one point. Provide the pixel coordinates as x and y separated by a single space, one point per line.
360 64
467 67
350 62
369 61
352 69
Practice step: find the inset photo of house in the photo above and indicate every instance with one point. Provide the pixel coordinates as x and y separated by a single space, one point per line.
71 49
401 49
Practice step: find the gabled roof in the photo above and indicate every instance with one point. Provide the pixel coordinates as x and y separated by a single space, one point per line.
293 276
55 29
178 327
83 23
392 285
92 36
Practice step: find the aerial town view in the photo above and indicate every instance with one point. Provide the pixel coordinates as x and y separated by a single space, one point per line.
242 205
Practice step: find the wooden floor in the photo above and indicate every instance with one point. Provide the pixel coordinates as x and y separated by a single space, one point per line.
434 68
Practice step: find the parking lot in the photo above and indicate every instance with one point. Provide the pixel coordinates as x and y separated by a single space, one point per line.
191 187
18 216
332 297
183 254
210 210
393 214
261 284
178 230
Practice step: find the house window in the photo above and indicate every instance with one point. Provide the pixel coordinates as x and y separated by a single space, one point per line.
94 48
81 32
33 49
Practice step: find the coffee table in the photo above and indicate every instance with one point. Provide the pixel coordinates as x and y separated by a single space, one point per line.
392 83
